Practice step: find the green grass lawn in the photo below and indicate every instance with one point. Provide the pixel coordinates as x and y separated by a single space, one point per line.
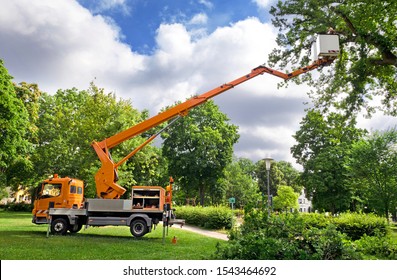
394 231
22 240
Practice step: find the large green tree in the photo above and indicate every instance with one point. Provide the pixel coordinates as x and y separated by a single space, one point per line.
367 66
238 183
14 126
290 176
199 147
280 173
30 94
323 143
373 161
286 199
275 177
22 173
68 123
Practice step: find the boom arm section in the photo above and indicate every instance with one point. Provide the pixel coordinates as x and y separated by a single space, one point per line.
106 177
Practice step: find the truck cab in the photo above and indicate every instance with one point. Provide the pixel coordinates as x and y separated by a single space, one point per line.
56 192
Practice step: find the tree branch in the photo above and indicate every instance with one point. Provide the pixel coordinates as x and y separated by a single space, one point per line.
388 57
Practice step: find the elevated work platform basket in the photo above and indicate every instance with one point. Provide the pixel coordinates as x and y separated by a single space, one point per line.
326 45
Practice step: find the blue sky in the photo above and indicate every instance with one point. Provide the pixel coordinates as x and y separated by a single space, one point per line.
140 19
156 53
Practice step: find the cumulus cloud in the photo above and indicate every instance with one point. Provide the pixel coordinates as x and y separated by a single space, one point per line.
263 3
100 6
207 3
63 45
199 19
60 44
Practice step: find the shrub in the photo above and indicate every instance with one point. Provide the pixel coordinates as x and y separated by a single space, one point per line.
301 236
377 246
328 244
18 207
316 220
285 237
357 225
209 217
354 225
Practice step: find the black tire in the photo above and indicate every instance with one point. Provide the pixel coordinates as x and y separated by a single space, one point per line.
75 228
59 226
138 228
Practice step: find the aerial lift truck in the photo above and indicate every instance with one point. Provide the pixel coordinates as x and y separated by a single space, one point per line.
60 202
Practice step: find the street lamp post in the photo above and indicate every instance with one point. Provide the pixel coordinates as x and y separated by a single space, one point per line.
268 161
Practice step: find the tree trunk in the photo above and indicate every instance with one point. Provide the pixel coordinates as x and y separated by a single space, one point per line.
202 194
387 212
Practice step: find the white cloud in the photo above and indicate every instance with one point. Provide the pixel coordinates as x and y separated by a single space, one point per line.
173 40
199 19
226 54
377 122
105 5
262 4
207 3
62 45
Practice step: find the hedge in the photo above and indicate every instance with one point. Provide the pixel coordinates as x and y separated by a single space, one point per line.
302 236
357 225
212 217
17 207
354 225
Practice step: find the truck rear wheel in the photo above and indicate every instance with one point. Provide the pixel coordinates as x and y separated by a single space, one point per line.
138 228
59 226
75 228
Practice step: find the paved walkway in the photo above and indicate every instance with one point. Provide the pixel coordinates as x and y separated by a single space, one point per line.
205 232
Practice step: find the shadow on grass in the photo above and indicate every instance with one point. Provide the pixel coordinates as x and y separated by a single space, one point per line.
13 215
22 232
107 236
43 234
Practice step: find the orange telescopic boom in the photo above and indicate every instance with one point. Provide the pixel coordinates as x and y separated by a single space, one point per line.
60 202
106 177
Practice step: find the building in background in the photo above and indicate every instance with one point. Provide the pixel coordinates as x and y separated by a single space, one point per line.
305 204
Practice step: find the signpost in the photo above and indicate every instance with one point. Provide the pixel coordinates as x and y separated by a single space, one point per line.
232 200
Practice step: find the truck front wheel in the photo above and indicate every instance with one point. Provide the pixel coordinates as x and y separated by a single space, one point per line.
59 226
138 228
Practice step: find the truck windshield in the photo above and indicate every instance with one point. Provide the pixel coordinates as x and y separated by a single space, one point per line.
51 190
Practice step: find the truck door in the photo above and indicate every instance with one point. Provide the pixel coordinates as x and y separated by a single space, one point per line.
48 192
75 196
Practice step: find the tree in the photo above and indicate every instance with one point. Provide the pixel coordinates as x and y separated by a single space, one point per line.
286 199
14 124
322 146
29 94
238 183
198 148
22 171
373 160
71 119
275 177
248 167
367 65
290 175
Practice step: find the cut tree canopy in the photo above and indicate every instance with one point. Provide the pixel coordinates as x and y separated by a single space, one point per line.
367 66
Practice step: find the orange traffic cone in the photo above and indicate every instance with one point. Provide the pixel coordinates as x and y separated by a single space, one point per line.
173 240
